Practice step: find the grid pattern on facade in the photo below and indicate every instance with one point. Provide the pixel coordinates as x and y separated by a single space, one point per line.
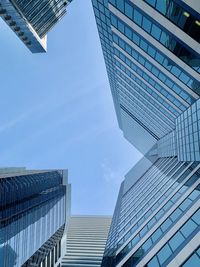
167 145
86 239
42 15
188 133
33 208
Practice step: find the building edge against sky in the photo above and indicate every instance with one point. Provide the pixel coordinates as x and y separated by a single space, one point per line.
163 69
35 208
152 56
86 240
31 22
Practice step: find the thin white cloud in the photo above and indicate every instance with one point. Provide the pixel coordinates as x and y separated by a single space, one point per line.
12 123
111 175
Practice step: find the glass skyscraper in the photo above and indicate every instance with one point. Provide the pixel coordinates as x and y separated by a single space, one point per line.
152 55
31 20
34 209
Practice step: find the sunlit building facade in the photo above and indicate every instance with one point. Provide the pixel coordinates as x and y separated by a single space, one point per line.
157 218
152 55
32 20
86 240
34 210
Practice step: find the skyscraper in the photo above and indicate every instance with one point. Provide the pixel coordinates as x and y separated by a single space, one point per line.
32 20
86 240
157 216
34 208
152 55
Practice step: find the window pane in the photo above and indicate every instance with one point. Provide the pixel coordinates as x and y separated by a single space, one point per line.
120 5
151 2
156 32
147 244
192 262
162 6
166 225
164 254
175 214
186 203
153 263
146 24
188 228
156 235
137 17
196 217
176 241
128 10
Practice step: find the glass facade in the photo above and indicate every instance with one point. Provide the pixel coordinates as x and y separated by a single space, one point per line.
32 210
32 20
188 133
152 55
193 259
161 34
181 15
42 15
159 203
146 82
167 145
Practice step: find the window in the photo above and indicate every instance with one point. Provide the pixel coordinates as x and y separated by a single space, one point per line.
176 241
164 254
128 10
146 24
193 261
153 263
120 5
188 228
162 6
166 225
156 235
137 17
156 32
186 203
174 216
196 217
147 244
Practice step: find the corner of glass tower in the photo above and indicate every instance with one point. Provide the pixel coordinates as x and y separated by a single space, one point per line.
152 55
32 20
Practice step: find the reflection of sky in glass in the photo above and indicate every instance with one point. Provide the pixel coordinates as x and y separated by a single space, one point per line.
27 234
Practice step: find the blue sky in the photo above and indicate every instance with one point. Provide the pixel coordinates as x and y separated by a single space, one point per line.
57 112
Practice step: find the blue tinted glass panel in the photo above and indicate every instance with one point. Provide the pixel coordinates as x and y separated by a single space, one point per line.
128 10
188 228
146 24
176 241
153 263
156 32
164 254
194 261
138 17
196 217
